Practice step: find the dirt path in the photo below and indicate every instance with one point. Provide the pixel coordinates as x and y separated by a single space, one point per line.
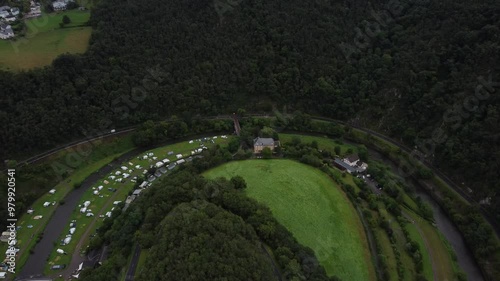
427 245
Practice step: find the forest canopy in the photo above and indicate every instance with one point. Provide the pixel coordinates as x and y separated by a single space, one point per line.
407 68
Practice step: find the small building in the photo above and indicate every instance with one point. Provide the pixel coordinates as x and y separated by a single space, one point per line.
6 31
59 5
341 165
179 156
179 162
137 192
260 143
14 11
351 160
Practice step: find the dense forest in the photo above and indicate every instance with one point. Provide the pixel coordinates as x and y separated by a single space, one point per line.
199 229
423 72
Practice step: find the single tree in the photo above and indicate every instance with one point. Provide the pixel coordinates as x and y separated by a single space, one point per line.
267 153
66 20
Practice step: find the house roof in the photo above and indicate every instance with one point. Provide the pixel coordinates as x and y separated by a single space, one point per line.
352 158
263 141
344 165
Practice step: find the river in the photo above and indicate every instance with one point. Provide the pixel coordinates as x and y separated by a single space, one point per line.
464 256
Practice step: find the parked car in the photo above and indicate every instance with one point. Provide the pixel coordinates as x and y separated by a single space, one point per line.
58 266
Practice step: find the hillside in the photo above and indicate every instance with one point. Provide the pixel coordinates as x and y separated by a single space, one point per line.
206 244
409 69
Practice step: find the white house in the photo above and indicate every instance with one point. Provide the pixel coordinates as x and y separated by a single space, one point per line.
14 11
351 160
6 31
59 5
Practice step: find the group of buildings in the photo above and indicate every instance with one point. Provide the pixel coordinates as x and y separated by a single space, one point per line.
7 14
351 164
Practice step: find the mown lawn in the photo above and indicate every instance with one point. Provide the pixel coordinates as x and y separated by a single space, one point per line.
438 249
45 40
313 208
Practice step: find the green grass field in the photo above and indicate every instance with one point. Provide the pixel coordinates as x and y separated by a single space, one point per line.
313 208
44 40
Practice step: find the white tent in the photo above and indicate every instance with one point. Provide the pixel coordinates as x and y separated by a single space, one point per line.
86 203
76 275
67 240
80 267
46 204
179 156
60 251
159 164
52 191
166 161
72 230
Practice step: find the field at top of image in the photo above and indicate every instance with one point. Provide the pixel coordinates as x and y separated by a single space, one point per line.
45 40
312 207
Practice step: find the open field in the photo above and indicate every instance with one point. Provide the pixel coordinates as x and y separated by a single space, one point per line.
44 40
437 247
103 202
313 208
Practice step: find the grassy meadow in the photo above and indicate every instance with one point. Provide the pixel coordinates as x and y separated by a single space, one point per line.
44 40
313 208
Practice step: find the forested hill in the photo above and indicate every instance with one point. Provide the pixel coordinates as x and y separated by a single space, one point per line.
396 66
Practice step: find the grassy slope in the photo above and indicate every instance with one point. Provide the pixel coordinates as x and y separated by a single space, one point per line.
45 40
313 208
